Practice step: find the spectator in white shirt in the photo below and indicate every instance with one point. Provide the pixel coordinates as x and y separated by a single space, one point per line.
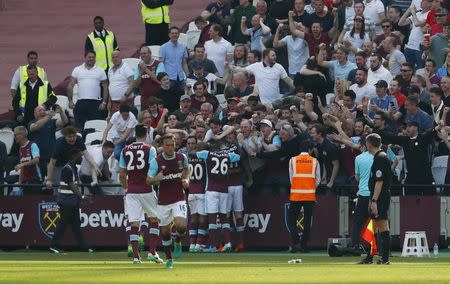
374 9
377 71
267 76
120 77
120 128
417 20
361 87
100 156
218 49
92 99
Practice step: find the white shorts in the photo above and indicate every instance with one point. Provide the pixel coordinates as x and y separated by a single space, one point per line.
138 204
216 202
166 213
235 202
196 203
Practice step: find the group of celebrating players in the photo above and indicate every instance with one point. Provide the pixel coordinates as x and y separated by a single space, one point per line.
159 187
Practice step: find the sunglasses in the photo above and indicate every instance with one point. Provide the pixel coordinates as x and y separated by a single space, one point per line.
441 15
385 27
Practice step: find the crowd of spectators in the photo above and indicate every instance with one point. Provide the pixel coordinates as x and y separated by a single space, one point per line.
264 77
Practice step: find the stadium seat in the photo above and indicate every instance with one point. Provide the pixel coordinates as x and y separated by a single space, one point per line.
98 124
222 100
137 102
183 39
192 38
132 62
63 102
328 98
439 169
155 51
192 27
7 137
93 136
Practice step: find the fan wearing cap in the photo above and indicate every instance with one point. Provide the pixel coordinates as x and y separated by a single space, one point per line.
383 101
198 72
185 110
269 139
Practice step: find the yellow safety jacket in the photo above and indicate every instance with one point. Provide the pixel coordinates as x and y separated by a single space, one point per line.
23 75
155 16
42 95
103 49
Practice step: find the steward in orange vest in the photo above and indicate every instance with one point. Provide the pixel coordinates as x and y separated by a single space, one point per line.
304 174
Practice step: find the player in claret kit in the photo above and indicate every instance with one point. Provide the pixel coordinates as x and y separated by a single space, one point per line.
170 170
216 196
196 197
235 205
140 199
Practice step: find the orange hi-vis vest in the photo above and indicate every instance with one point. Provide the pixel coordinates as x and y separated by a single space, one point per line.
303 182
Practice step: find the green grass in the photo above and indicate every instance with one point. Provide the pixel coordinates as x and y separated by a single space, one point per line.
115 267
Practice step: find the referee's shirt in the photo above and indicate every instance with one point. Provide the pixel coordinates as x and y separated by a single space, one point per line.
363 165
381 171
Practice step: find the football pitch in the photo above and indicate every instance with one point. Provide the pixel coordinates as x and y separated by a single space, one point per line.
248 267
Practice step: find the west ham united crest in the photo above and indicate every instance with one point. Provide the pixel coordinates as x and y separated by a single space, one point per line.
49 215
299 222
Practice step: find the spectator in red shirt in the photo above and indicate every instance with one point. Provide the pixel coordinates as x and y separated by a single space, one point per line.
394 90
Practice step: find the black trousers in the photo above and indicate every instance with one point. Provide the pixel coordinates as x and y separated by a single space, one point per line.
70 215
87 110
294 210
360 218
156 34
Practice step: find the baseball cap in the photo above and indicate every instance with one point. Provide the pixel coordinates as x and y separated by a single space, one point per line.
236 99
381 83
413 123
266 122
185 97
197 65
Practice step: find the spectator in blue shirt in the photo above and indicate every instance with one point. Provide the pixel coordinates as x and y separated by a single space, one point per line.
174 55
415 114
258 30
383 101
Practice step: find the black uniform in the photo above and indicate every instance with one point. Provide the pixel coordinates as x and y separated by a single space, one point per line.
69 208
381 171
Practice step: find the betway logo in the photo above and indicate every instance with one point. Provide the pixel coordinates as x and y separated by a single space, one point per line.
104 219
11 221
172 176
257 221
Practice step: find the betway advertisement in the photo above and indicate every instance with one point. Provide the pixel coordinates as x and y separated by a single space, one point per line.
32 220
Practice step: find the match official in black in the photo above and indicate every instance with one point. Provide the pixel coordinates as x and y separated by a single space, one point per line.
69 198
380 195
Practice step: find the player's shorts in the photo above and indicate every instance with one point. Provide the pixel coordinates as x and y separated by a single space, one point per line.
216 202
383 207
196 203
235 202
166 213
138 204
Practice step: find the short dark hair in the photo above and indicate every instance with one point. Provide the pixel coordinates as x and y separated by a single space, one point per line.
377 55
267 51
217 28
397 8
320 129
374 140
174 28
215 120
361 53
68 130
407 64
432 61
161 75
351 94
256 53
437 91
199 19
364 69
140 131
306 145
199 45
31 67
31 52
316 22
99 18
382 115
89 51
413 100
153 101
108 144
124 108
